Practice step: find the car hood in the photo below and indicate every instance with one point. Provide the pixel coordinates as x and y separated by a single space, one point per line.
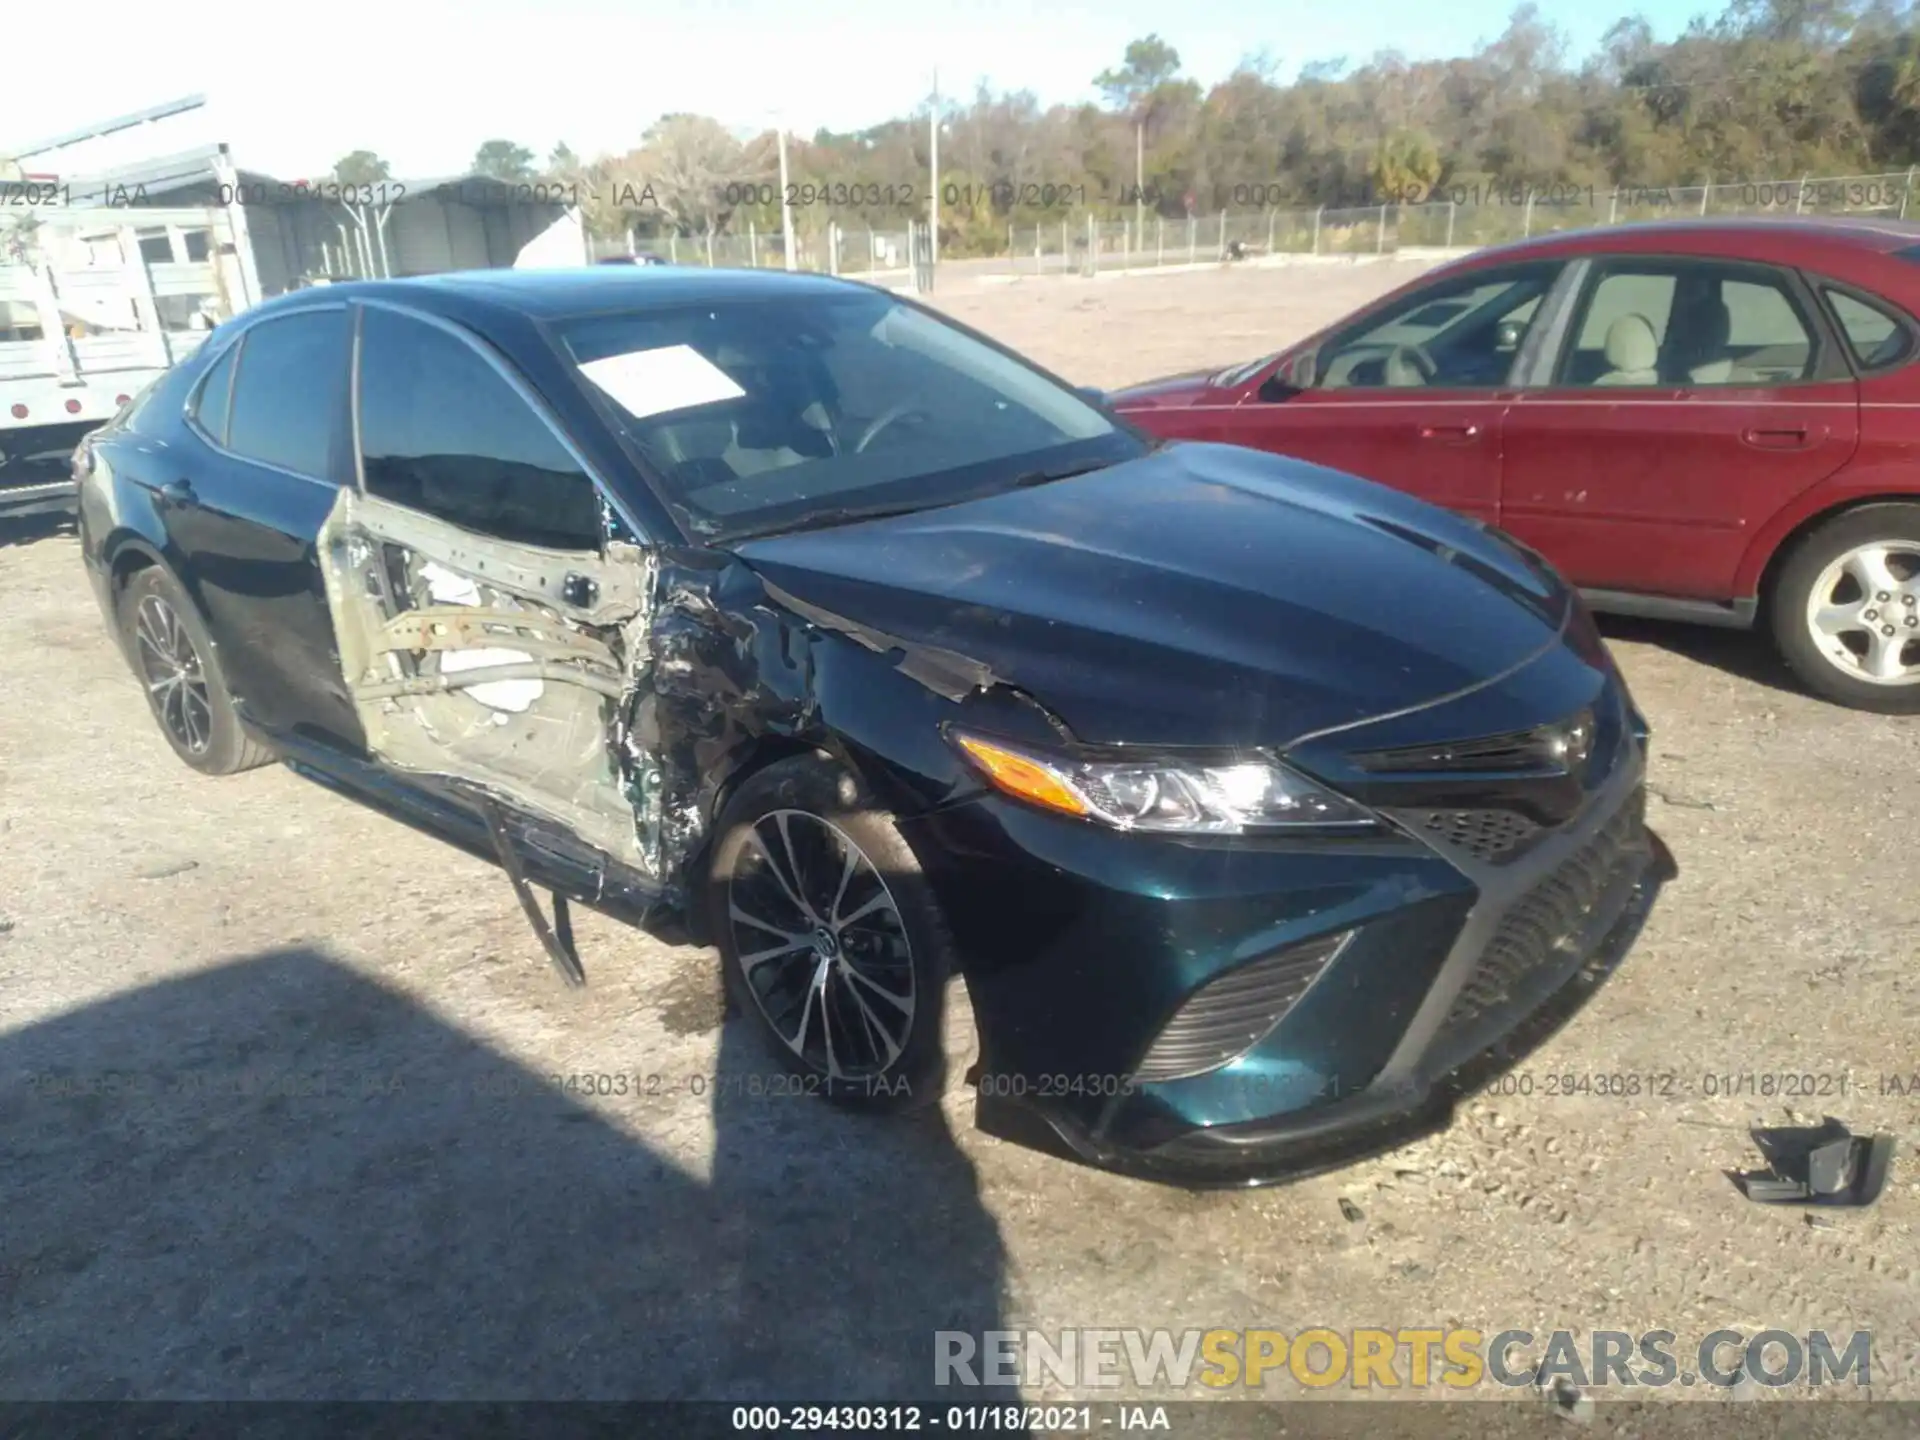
1199 595
1169 391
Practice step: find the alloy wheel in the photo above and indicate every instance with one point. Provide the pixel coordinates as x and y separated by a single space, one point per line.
821 945
1863 612
175 679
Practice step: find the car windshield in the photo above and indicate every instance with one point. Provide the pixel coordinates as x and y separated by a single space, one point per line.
775 414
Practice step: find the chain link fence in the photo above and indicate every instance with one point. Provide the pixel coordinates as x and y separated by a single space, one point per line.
1467 217
1454 218
855 251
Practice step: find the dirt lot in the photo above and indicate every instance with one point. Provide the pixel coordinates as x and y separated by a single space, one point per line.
329 1168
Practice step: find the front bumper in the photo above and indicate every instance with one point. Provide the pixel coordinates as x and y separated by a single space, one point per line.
1393 1111
1097 940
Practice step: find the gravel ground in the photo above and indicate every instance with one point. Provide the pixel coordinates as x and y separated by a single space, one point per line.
318 1159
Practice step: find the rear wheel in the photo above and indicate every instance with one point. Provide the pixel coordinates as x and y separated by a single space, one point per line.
1846 609
175 660
831 939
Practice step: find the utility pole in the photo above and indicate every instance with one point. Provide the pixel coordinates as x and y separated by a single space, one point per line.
786 209
933 197
1140 171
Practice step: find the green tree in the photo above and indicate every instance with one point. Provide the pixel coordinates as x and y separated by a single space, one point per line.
1764 90
1141 89
1404 168
361 167
503 160
1148 64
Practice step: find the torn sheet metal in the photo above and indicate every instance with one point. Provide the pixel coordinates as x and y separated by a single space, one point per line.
943 671
612 694
467 659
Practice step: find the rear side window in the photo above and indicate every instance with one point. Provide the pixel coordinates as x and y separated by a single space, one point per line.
442 431
1876 338
210 408
287 390
1689 322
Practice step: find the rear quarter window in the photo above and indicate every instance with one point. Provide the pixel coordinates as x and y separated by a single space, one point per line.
1877 336
210 401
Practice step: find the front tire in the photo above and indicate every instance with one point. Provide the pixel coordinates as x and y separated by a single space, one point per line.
1845 611
179 668
830 937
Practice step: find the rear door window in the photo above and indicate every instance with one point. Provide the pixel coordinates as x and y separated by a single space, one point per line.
1688 323
287 390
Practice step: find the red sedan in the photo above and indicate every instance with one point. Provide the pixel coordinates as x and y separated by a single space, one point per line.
1716 421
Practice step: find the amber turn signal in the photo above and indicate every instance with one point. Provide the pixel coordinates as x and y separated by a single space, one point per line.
1022 777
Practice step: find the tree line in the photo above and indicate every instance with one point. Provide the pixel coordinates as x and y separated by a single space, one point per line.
1769 89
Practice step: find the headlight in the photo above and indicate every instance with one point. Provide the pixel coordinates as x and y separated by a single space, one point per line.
1245 796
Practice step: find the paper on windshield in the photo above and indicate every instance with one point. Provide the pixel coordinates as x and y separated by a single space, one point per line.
652 382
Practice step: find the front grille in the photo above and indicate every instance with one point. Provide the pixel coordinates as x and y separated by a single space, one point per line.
1226 1017
1489 836
1536 930
1560 748
1517 751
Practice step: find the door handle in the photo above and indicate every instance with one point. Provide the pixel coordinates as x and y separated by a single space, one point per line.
180 492
1780 439
1450 434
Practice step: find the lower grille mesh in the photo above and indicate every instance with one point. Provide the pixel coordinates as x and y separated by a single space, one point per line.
1528 937
1490 836
1227 1017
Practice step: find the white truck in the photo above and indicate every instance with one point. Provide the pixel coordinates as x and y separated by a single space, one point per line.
95 303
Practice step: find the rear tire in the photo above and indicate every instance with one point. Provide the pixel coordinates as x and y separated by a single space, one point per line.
830 937
179 668
1845 610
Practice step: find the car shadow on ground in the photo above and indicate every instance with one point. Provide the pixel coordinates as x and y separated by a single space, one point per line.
1745 654
30 529
278 1179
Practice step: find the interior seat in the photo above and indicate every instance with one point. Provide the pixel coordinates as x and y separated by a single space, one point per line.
1711 329
1632 352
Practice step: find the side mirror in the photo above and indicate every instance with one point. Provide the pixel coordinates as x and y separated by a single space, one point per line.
1289 378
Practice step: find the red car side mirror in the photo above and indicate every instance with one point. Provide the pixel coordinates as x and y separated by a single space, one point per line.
1289 377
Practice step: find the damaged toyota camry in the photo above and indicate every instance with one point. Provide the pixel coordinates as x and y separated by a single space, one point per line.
1250 800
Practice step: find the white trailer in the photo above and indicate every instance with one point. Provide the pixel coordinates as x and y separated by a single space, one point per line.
94 305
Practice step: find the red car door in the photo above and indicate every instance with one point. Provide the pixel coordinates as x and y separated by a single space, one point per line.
1693 399
1412 394
1442 446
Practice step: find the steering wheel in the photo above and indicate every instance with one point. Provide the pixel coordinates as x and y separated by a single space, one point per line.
887 417
1410 365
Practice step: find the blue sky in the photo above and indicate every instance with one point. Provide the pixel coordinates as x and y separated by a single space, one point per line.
425 81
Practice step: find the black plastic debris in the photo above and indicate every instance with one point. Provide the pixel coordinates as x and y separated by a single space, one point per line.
1824 1164
1567 1401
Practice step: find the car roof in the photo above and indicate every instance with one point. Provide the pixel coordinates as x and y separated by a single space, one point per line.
588 290
1824 234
